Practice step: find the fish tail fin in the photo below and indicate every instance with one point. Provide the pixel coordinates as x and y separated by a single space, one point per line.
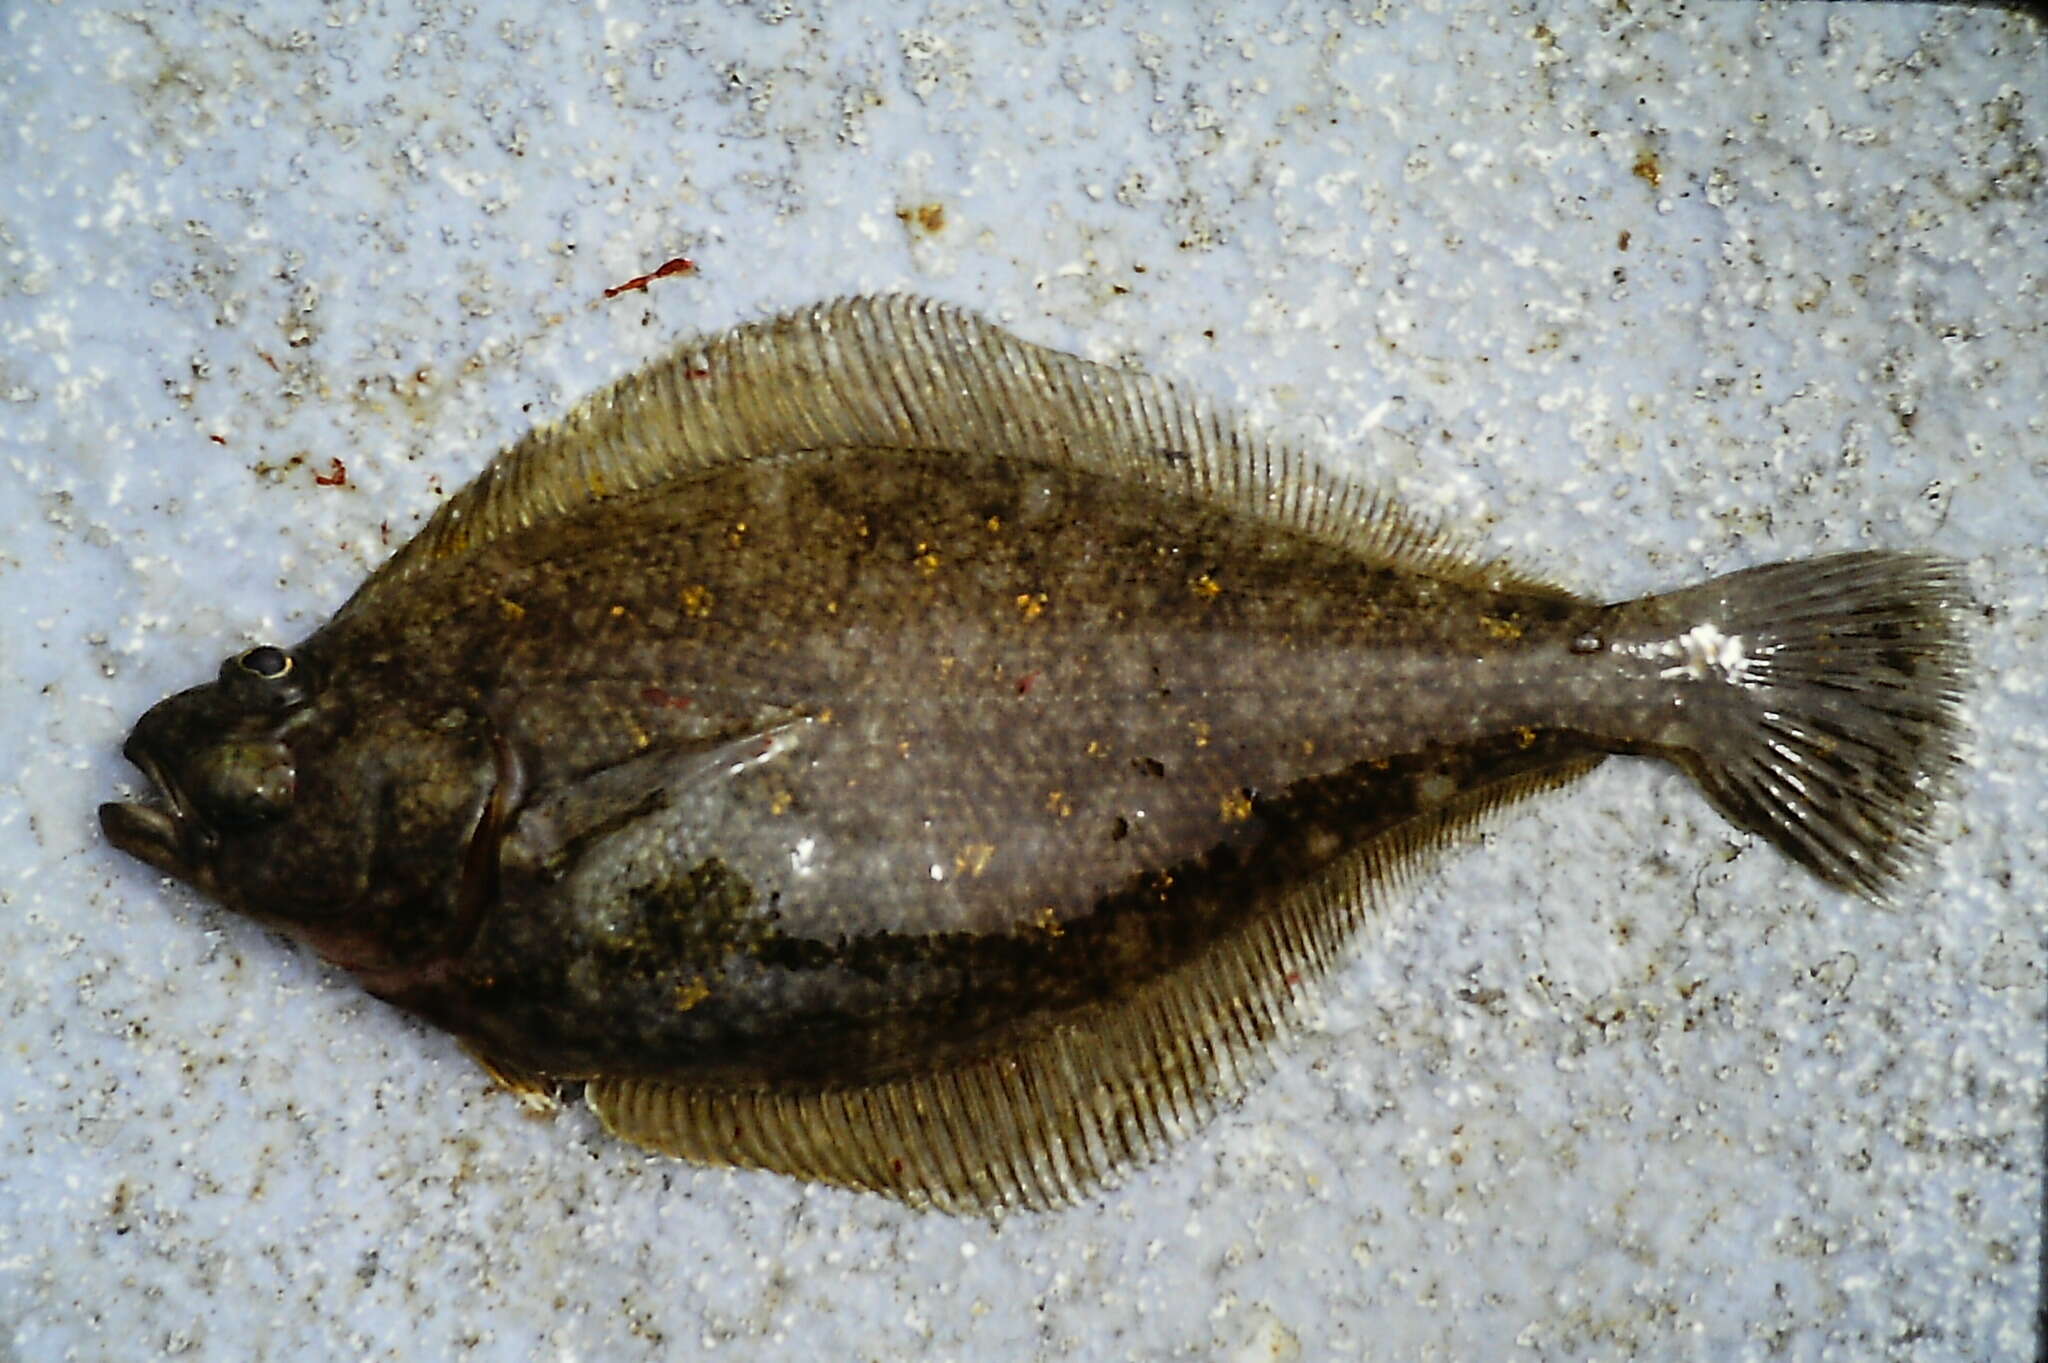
1827 715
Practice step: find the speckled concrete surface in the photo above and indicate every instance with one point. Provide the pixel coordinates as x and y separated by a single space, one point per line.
1640 295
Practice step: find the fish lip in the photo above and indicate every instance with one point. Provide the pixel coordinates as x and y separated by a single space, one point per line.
164 832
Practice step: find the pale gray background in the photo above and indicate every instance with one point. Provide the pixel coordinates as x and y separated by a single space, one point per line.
1642 292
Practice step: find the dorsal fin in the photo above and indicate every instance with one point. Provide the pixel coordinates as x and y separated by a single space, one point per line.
903 372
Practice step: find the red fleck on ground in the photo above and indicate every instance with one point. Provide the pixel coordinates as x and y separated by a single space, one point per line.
336 475
680 265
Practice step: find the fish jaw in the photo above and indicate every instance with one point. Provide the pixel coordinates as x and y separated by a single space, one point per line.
161 831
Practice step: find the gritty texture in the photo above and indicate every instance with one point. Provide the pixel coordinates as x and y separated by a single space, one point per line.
1638 297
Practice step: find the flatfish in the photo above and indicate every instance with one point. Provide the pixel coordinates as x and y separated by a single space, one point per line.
868 746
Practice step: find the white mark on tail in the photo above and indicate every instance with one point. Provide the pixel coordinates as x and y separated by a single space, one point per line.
1702 652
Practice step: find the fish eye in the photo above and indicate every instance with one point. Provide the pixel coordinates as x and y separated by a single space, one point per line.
244 783
264 678
266 661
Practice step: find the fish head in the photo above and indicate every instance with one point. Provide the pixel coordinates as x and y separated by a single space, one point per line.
323 811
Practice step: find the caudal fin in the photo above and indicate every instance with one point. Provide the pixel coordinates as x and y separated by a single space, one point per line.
1835 731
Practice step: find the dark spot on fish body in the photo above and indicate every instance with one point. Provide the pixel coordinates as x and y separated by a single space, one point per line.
683 925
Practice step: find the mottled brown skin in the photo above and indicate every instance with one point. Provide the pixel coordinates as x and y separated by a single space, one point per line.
816 768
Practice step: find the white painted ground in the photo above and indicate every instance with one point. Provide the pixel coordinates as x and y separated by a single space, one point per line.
1641 294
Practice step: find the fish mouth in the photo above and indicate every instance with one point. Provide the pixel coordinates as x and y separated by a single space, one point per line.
164 832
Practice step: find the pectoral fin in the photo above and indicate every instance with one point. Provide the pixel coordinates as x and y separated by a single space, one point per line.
536 1092
560 824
